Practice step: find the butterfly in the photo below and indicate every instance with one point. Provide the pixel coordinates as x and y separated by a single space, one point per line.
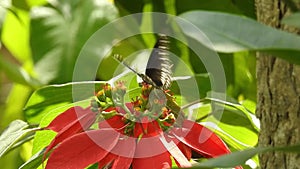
158 70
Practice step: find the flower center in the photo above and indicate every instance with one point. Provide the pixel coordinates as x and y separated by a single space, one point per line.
145 111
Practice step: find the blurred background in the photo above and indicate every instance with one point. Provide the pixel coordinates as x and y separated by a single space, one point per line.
41 40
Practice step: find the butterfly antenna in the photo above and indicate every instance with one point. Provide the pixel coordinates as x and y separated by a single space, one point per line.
145 78
120 59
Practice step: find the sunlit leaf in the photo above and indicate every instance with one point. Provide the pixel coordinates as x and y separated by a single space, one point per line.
15 131
250 105
16 27
34 162
241 109
229 123
14 105
51 97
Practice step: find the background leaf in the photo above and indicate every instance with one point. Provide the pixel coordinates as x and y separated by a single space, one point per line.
245 7
64 33
293 20
218 27
17 73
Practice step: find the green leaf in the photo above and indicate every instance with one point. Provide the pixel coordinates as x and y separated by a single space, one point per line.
16 27
249 105
231 160
27 4
17 74
293 20
238 137
51 97
239 157
2 17
231 125
241 109
34 162
185 86
246 6
14 126
32 3
230 120
15 131
238 6
231 33
22 4
129 7
14 104
44 137
244 85
65 25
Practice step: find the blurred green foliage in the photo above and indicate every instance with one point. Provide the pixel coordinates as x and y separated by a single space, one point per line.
40 42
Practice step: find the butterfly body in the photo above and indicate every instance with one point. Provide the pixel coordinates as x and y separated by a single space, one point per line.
159 65
158 69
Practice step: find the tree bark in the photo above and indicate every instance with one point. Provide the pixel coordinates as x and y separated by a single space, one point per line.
278 97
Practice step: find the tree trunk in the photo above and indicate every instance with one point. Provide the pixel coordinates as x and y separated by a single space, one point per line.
278 99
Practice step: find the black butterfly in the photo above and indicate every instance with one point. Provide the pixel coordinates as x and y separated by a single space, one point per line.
158 70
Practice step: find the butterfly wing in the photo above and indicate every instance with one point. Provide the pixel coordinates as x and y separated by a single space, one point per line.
159 65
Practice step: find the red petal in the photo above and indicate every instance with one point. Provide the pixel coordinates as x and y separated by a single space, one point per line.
185 150
151 153
110 109
122 163
153 129
145 122
76 126
125 150
161 161
181 161
83 149
201 139
121 155
178 152
116 122
147 128
67 117
138 130
106 160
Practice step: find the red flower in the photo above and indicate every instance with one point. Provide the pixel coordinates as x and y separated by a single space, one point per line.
129 136
111 147
72 121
